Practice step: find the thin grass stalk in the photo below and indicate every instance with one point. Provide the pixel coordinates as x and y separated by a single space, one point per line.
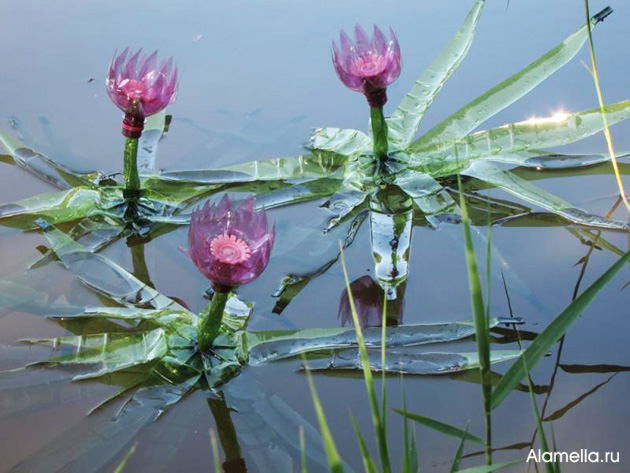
407 451
600 98
482 332
380 433
334 460
488 263
123 463
458 454
215 452
549 467
576 291
368 463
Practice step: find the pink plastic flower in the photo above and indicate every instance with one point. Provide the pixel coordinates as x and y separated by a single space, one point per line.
229 243
367 65
368 299
138 85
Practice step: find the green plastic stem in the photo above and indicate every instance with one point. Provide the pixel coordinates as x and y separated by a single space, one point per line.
379 132
210 322
132 178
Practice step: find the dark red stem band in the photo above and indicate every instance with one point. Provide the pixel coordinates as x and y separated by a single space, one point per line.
376 96
221 288
132 125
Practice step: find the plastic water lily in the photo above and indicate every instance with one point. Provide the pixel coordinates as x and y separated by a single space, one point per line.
369 66
414 184
230 245
147 344
140 88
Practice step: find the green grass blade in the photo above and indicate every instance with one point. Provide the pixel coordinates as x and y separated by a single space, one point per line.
439 426
555 448
407 451
508 181
600 99
381 434
481 321
216 457
548 337
509 91
549 467
368 462
123 462
334 461
458 454
414 456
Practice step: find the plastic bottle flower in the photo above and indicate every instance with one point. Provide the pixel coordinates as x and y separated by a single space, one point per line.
369 66
139 87
230 244
368 299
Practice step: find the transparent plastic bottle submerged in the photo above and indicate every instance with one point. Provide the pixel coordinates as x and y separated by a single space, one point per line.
391 222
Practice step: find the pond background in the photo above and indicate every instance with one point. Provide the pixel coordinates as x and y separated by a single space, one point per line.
255 78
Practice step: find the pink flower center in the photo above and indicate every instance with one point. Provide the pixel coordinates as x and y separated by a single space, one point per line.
368 66
229 249
133 89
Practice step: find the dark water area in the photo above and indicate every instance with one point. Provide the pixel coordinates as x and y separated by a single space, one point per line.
256 77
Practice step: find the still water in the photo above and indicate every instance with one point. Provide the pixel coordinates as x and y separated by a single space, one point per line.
255 78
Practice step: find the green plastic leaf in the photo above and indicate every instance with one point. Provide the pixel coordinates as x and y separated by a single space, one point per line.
305 166
546 160
298 193
342 204
342 141
291 285
468 118
509 182
61 206
94 233
44 167
430 197
548 337
90 446
439 426
391 225
405 121
409 362
132 315
103 275
547 132
110 351
154 129
267 346
267 425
